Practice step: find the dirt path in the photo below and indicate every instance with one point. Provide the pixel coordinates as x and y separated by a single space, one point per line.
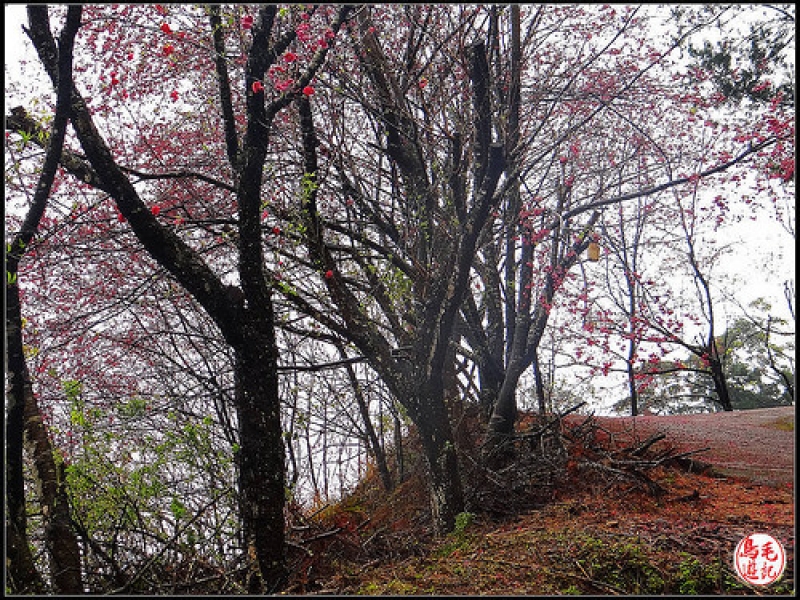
754 444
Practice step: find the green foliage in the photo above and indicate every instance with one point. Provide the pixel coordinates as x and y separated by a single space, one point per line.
693 577
740 71
178 509
397 285
463 521
72 389
308 185
625 565
133 408
459 540
130 479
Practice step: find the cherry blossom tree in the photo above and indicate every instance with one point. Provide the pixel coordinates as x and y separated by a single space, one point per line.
244 314
614 154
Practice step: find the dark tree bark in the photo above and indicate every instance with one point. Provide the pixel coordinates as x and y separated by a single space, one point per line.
260 459
718 376
24 417
23 577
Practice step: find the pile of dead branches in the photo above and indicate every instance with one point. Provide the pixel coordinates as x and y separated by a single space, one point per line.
525 470
518 472
620 460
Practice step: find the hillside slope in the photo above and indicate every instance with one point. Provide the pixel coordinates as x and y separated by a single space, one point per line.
594 537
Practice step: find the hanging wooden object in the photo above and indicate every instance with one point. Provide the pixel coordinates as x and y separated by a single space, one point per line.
593 251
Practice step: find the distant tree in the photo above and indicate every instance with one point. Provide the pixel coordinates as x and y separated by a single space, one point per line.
752 67
761 364
759 372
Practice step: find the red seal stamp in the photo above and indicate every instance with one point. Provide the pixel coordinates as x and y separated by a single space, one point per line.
759 559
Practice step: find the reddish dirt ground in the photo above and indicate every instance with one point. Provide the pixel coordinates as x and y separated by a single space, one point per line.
589 539
754 444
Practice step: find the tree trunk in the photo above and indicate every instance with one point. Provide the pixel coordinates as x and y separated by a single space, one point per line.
60 539
720 385
438 445
631 373
25 425
539 382
261 457
23 578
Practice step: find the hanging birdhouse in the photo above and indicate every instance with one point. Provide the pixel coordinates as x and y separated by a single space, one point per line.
593 251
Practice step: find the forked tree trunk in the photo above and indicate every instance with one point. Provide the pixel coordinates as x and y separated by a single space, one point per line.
25 423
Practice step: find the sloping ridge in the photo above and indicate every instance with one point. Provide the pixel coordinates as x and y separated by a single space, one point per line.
755 444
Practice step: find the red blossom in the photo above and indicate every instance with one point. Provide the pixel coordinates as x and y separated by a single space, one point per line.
166 28
258 87
155 210
290 57
247 21
328 274
761 86
786 169
303 33
308 90
168 49
174 95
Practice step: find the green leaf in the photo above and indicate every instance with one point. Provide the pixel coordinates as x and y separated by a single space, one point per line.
178 509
